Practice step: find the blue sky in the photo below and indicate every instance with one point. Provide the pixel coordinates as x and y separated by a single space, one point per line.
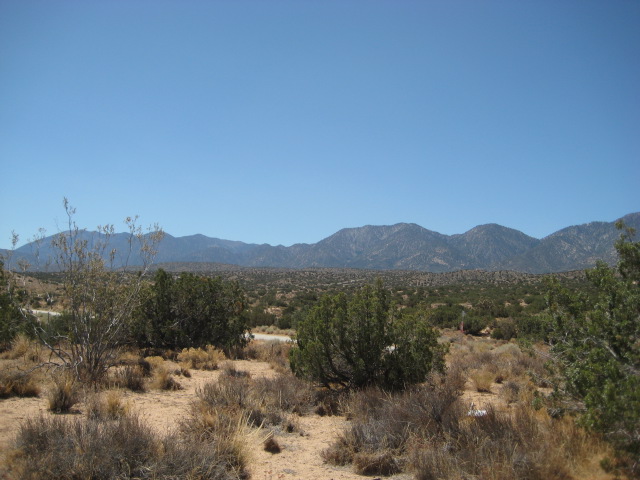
284 121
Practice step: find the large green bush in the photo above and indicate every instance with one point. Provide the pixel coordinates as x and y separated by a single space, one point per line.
596 343
364 340
191 311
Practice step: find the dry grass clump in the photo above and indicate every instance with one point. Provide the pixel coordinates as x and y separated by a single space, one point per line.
63 393
199 359
131 377
16 383
506 360
263 401
163 380
23 347
527 444
224 431
229 369
275 353
286 393
482 380
384 463
228 392
427 431
382 424
155 361
124 448
107 405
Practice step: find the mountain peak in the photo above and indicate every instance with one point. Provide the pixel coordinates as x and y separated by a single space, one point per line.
402 246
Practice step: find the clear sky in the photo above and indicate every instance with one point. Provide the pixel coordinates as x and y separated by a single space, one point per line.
282 122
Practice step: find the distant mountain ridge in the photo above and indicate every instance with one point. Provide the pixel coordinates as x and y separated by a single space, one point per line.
403 246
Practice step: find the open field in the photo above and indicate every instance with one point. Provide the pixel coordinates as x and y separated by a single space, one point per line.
497 378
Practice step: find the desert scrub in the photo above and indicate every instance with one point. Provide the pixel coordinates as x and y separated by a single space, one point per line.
16 383
482 380
22 347
382 424
131 377
199 359
285 392
264 402
163 380
228 392
274 353
229 369
107 405
63 393
426 431
525 444
123 448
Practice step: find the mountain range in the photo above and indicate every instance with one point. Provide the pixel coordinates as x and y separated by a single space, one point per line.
404 246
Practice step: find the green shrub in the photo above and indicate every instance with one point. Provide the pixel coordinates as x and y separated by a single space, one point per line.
364 341
596 348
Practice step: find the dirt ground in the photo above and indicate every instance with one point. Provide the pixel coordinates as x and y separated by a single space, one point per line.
300 456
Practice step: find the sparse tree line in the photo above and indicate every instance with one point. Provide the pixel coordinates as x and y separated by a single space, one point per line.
370 337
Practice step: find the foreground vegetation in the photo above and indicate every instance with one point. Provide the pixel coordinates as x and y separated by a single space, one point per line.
393 358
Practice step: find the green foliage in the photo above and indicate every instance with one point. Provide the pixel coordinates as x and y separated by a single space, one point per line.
447 316
475 323
364 340
596 341
534 327
192 311
505 329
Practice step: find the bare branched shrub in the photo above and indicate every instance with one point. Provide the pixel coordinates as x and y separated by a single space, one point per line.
100 291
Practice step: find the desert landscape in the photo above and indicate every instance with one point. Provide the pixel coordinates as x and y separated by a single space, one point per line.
307 430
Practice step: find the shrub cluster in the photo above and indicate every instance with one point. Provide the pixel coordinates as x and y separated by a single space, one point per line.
263 401
427 431
123 447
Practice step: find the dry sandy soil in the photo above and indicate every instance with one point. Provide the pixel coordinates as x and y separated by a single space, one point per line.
300 456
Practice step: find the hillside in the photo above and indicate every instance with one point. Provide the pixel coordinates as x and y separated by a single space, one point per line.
404 246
